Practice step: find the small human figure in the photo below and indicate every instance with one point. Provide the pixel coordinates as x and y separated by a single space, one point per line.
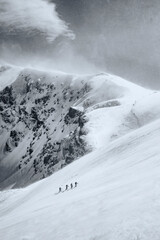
71 185
60 189
76 184
66 187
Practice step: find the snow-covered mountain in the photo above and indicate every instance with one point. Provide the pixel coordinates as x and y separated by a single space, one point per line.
117 197
48 120
111 127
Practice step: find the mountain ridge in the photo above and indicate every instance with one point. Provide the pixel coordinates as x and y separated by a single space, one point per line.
50 119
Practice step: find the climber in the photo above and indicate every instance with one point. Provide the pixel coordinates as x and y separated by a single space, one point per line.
66 187
76 184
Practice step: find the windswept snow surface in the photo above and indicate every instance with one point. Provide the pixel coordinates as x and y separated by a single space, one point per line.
117 198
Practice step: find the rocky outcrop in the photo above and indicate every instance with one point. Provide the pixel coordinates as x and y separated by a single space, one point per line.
39 120
55 155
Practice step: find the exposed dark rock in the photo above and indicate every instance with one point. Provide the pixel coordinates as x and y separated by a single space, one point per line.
1 108
13 134
74 112
47 159
34 110
73 115
7 148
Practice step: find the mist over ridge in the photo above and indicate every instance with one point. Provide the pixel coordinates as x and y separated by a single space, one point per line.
120 37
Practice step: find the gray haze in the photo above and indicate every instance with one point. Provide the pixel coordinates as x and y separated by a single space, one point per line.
118 36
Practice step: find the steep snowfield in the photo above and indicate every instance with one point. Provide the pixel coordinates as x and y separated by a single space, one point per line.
118 196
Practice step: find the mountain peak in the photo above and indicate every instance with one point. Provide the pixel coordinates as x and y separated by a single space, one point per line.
50 119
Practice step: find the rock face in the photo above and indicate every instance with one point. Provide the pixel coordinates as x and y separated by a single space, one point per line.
40 126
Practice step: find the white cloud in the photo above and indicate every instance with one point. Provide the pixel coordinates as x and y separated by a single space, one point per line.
32 15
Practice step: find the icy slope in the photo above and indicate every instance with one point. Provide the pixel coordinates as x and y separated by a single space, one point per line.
118 196
48 120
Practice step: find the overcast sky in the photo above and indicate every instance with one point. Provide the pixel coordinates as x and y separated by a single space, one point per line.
119 36
123 36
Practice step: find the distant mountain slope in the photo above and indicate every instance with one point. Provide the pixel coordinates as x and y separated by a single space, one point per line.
47 120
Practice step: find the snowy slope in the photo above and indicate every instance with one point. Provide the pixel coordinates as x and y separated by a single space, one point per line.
118 196
48 120
8 75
